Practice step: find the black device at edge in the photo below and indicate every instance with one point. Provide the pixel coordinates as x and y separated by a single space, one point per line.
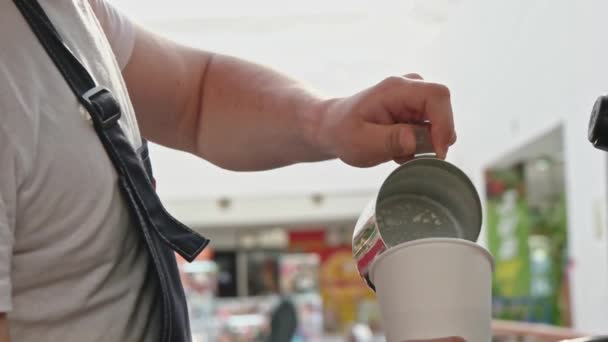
598 124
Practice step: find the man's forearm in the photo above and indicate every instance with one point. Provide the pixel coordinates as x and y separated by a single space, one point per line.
236 114
253 118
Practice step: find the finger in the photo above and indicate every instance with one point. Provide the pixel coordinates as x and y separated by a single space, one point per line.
444 339
406 116
453 140
381 143
439 111
402 160
431 99
413 76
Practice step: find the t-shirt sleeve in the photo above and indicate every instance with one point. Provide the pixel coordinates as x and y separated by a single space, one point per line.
119 30
8 199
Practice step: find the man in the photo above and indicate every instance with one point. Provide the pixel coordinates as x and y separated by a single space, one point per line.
72 267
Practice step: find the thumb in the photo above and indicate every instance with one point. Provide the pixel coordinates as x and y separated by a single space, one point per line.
445 339
388 142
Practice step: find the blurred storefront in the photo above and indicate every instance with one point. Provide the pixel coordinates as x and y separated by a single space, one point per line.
231 297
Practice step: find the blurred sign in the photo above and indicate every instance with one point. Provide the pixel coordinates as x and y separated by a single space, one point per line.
346 298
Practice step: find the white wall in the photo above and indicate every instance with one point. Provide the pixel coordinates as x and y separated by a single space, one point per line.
516 69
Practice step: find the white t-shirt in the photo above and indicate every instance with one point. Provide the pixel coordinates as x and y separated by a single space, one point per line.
72 265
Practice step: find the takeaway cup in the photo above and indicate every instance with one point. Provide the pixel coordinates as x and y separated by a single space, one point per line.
434 287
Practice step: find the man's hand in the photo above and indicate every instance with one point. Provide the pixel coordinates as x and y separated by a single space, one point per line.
374 126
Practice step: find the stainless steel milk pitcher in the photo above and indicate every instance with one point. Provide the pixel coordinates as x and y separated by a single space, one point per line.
423 198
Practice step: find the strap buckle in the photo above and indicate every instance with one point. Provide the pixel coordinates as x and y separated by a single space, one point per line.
102 106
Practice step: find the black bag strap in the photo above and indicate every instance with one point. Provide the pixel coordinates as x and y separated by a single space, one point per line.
105 112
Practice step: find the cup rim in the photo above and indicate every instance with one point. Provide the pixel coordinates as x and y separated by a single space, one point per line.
435 240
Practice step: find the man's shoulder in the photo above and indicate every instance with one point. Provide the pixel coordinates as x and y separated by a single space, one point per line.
118 28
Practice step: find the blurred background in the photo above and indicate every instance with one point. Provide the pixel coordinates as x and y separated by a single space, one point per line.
523 75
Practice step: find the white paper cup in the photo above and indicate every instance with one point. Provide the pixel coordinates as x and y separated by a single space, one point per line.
435 287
